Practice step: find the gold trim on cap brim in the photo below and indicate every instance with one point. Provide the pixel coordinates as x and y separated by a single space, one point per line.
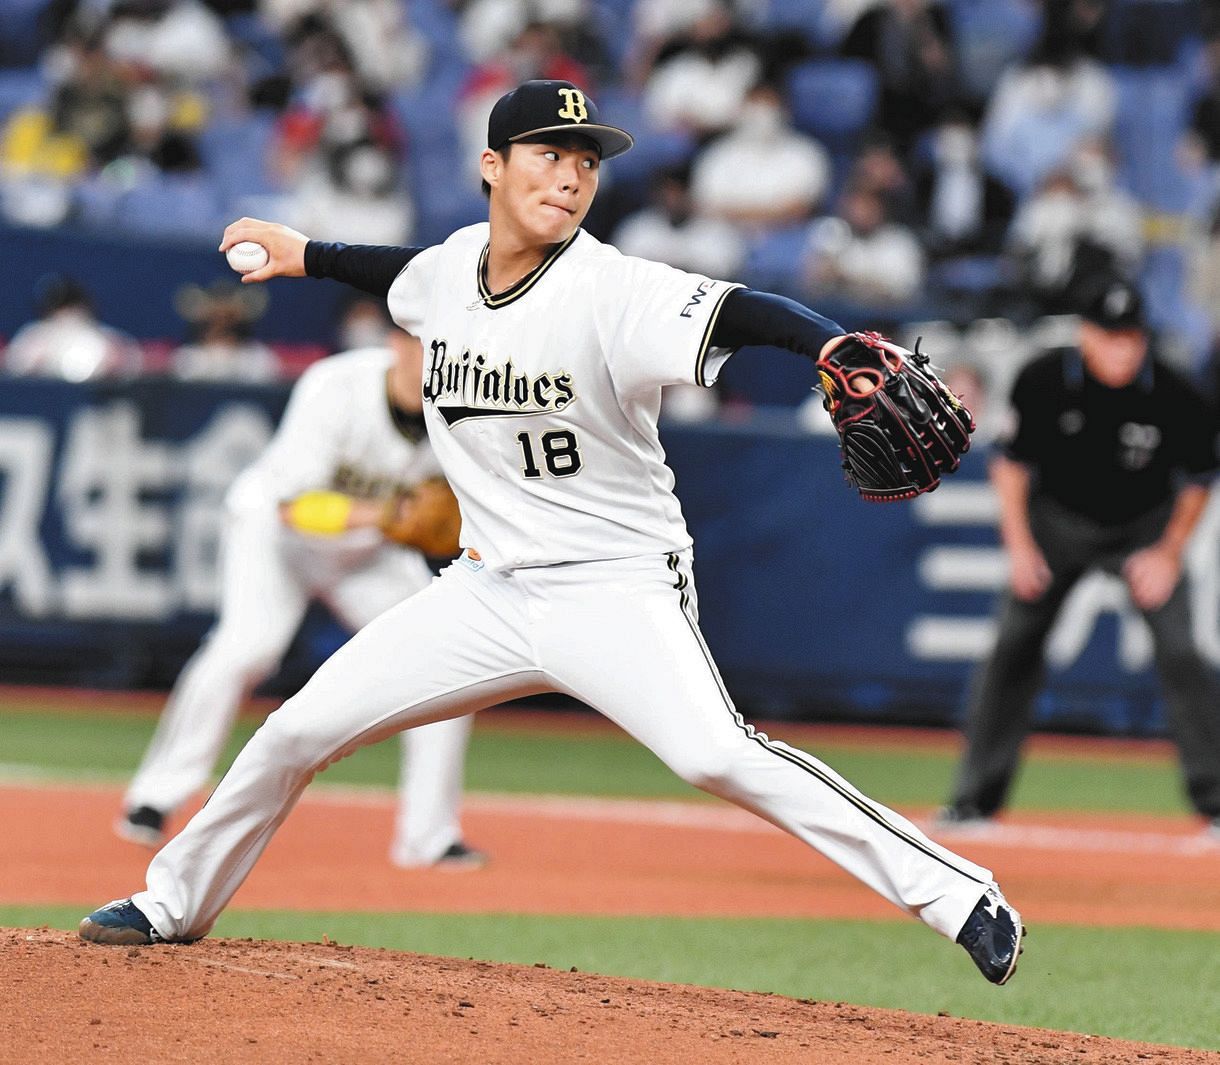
583 128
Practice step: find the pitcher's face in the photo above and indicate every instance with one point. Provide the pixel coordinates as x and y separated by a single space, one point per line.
543 191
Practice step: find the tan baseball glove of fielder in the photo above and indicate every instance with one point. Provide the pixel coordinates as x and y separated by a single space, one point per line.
427 518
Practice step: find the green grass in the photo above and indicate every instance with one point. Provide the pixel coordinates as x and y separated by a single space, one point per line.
1139 984
109 744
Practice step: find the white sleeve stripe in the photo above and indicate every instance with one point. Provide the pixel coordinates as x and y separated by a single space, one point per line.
705 344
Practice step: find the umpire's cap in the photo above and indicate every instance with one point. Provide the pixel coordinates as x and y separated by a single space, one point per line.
1114 304
536 107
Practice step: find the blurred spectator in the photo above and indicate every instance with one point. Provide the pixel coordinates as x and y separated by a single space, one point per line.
861 255
910 42
85 122
699 79
154 136
1039 113
67 341
90 100
788 171
330 108
487 28
1078 222
656 22
671 231
966 381
101 113
221 349
180 39
364 323
878 168
354 195
812 417
536 52
1203 283
386 50
965 210
689 403
1077 26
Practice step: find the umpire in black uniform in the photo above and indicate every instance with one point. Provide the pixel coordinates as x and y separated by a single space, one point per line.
1106 464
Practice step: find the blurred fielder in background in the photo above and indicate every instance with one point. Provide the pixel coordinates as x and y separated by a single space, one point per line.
310 520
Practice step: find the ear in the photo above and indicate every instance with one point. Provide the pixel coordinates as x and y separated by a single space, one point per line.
491 165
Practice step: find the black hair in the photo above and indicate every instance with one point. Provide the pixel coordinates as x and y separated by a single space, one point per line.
54 292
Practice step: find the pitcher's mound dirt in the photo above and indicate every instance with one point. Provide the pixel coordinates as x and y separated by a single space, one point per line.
247 1001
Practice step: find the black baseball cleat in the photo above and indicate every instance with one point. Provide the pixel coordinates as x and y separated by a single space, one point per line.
992 936
957 816
143 825
460 856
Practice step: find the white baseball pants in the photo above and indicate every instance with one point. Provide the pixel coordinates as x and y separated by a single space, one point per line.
265 591
620 635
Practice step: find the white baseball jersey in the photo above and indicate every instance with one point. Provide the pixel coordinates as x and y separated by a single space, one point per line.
337 432
552 448
541 404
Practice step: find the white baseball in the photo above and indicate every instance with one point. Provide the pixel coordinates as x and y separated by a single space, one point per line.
246 256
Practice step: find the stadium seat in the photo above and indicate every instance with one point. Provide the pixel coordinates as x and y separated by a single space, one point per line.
1163 285
435 21
774 259
654 149
990 36
446 193
20 31
1150 32
426 110
1153 112
793 14
234 151
259 37
766 377
20 87
172 205
833 99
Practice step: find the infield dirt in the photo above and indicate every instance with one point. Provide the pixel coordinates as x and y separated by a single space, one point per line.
242 1001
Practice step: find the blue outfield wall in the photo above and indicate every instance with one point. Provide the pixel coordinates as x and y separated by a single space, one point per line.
815 604
133 284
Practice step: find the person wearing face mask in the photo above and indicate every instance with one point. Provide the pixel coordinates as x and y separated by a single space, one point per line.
788 171
355 191
1041 110
1106 465
1078 222
967 210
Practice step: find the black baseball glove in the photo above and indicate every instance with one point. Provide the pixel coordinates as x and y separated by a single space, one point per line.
899 427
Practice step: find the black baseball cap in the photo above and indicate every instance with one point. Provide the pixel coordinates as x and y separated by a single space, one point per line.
536 107
1114 304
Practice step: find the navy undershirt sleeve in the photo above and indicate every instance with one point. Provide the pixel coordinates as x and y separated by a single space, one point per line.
751 317
369 267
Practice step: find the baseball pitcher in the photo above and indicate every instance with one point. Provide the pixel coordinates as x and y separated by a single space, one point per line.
545 352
